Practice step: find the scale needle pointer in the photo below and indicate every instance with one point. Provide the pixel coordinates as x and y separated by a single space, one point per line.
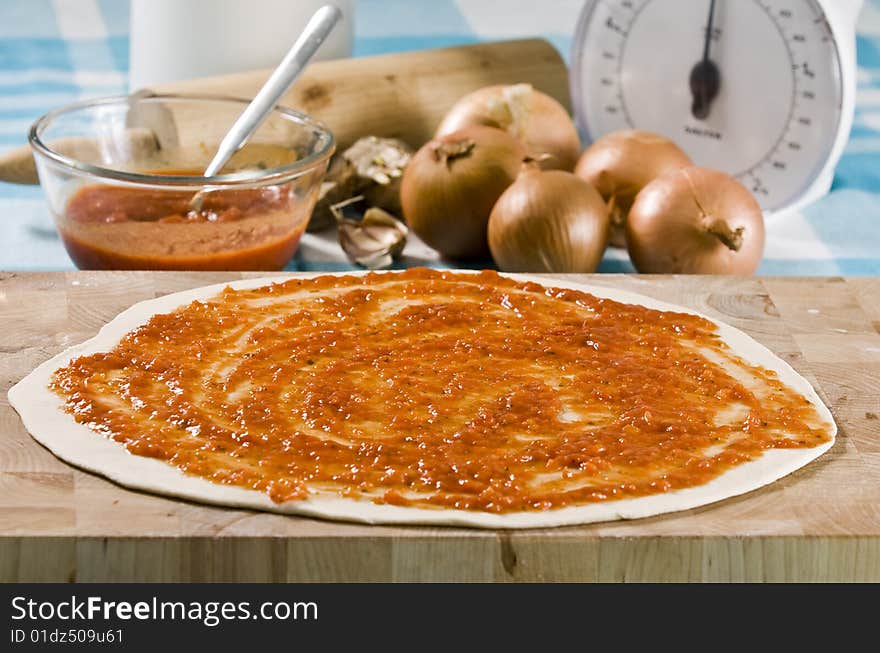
705 77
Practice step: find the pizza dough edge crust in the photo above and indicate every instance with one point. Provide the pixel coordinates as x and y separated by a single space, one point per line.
42 414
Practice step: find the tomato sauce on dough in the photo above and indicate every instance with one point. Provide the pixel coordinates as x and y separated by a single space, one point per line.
436 390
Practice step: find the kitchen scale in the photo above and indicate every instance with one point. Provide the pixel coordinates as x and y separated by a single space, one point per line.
761 89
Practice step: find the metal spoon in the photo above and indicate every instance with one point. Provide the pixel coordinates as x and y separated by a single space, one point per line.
314 34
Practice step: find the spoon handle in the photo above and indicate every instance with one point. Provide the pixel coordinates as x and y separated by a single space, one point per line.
317 29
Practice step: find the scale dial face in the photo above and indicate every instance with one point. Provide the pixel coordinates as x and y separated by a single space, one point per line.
777 107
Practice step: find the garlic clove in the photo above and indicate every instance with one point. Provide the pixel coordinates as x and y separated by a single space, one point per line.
372 167
374 241
379 159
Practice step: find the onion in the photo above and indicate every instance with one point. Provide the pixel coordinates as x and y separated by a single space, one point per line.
620 164
451 184
695 220
536 119
548 221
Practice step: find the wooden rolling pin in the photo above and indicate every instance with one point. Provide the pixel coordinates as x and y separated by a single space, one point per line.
401 95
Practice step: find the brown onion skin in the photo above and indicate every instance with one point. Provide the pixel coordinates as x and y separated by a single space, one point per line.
671 224
549 133
447 204
620 164
550 221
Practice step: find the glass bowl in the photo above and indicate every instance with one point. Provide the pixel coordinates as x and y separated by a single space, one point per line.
119 174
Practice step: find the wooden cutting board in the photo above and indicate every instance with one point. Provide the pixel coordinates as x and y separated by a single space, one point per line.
820 524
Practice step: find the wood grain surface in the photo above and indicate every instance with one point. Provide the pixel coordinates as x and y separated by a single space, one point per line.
820 524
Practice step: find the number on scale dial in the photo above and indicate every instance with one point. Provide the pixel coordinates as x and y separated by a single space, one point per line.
751 87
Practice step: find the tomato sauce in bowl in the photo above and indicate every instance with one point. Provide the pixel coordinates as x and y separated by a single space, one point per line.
120 188
117 227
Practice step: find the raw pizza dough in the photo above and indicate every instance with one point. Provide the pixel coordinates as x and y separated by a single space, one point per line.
42 413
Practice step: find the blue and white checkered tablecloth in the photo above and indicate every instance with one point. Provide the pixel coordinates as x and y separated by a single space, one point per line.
55 51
